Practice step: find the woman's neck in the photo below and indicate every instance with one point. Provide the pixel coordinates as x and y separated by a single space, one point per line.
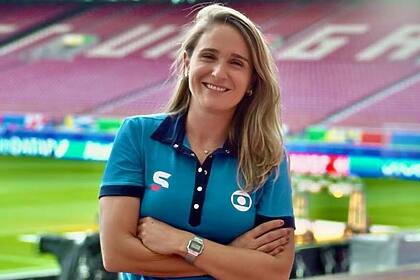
207 131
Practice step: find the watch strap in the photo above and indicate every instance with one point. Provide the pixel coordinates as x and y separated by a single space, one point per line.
190 258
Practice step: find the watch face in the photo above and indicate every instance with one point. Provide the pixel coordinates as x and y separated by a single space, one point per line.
195 246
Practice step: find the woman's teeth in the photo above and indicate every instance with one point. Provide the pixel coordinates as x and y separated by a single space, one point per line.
216 88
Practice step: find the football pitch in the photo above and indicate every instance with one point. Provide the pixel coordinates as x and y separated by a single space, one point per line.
39 195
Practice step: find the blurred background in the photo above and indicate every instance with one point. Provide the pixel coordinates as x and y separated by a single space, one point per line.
349 71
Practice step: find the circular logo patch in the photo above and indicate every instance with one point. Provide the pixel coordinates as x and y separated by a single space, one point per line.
241 201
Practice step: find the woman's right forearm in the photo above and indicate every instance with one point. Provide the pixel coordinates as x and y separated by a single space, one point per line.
130 255
122 251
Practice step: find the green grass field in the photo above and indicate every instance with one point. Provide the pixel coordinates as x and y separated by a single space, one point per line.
54 196
389 202
43 196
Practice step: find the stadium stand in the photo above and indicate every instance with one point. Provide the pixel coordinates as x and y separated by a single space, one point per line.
18 18
151 100
297 18
76 87
386 112
113 60
309 98
69 73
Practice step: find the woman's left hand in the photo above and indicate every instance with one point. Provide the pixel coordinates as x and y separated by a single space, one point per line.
161 237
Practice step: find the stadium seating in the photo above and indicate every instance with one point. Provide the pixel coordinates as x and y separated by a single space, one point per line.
50 77
20 17
64 88
309 98
387 113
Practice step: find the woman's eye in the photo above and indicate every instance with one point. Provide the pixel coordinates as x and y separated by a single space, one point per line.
237 62
208 56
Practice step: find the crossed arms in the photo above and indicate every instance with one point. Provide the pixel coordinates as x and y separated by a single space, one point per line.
151 247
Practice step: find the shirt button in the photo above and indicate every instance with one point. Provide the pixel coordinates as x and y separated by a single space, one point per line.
200 169
176 146
196 206
199 188
227 151
205 172
192 154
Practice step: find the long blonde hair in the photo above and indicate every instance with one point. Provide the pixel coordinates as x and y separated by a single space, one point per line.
255 130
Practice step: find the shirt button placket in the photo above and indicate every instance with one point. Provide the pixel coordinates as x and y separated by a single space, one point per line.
202 176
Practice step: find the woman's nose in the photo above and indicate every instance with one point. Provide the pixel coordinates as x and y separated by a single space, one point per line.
219 71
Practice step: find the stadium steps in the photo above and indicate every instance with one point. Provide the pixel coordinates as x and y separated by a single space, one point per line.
47 22
122 100
368 101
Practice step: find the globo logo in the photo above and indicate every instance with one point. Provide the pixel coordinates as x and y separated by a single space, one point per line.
241 201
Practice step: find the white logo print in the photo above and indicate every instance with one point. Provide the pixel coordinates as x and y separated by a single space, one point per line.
241 201
159 178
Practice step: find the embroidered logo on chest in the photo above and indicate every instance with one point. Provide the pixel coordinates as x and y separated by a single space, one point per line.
160 180
241 200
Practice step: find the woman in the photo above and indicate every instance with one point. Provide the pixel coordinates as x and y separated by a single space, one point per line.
209 179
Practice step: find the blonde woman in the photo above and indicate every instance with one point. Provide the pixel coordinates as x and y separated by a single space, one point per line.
209 179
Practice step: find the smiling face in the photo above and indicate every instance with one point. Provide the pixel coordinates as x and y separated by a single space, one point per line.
219 70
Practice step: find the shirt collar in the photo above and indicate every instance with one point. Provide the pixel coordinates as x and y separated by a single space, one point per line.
172 132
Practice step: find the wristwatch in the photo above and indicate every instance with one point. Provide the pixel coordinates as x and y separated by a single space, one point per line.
194 248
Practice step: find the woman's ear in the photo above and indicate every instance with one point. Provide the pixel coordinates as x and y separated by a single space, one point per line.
253 83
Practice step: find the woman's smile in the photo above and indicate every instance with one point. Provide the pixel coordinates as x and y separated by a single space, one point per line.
215 87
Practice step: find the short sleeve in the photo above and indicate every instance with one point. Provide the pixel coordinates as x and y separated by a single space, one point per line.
124 171
276 197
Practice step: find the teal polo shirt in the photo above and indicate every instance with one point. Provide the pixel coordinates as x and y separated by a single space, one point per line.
151 159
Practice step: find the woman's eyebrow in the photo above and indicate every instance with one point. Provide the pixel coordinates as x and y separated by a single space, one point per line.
236 55
210 50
